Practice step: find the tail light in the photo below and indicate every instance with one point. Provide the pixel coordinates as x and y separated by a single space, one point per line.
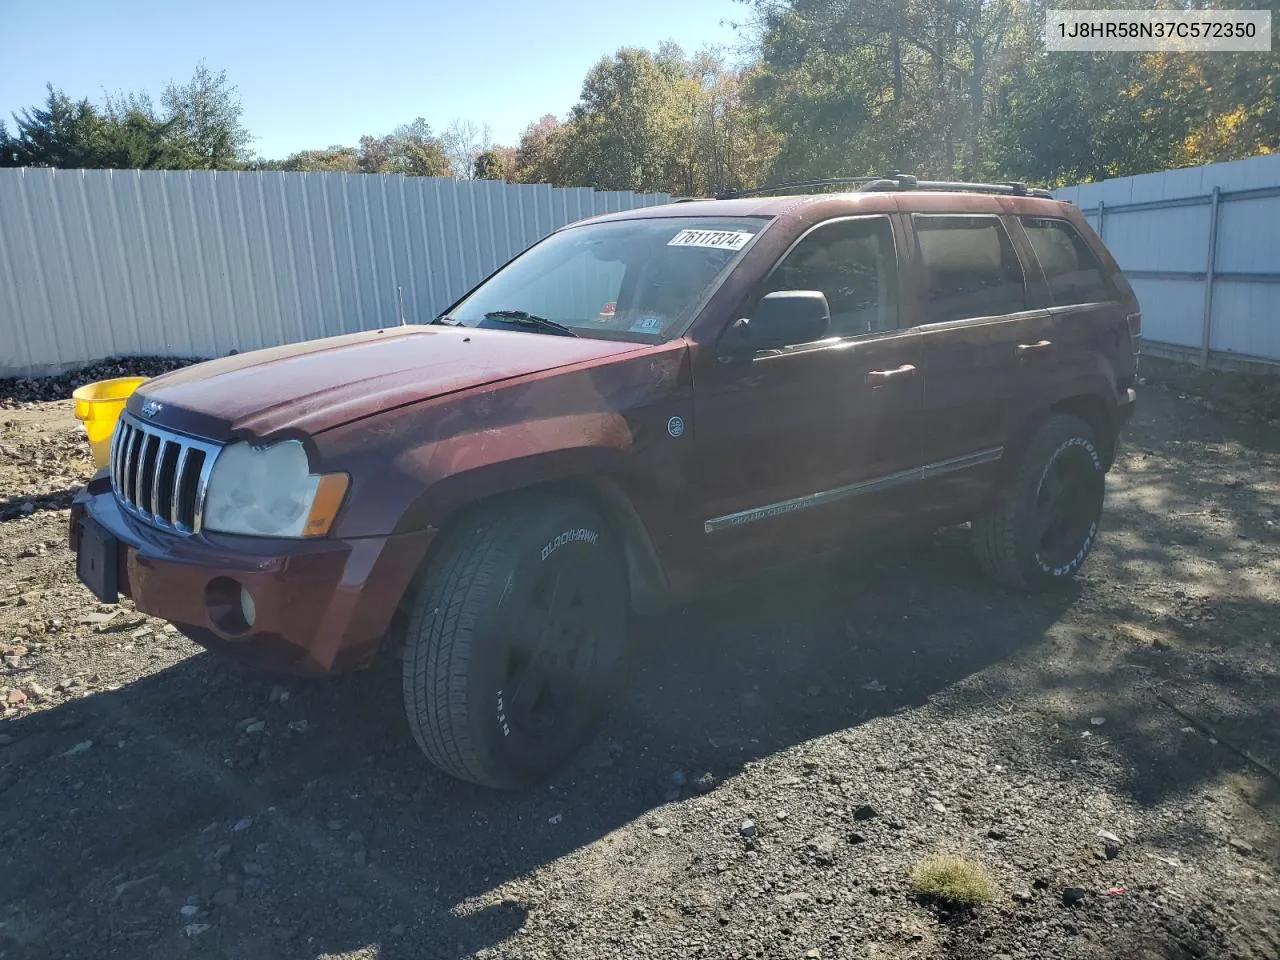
1134 320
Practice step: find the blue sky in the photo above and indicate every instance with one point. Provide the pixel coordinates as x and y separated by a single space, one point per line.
324 72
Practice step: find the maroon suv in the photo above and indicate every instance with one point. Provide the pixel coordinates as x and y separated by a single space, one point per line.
637 405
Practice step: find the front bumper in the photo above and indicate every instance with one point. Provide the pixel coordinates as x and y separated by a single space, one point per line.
320 606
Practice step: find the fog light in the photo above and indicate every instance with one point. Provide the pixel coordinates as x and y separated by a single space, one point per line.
231 609
247 609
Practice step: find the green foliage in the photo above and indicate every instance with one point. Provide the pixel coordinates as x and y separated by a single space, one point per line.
62 133
952 880
206 114
411 149
496 163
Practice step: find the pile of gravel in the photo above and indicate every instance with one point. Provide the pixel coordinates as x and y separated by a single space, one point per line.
17 391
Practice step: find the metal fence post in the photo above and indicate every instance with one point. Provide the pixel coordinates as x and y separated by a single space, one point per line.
1102 214
1210 262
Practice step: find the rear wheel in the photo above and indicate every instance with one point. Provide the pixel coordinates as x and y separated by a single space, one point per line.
1044 523
514 639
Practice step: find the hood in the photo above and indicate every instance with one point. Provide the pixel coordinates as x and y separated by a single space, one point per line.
321 384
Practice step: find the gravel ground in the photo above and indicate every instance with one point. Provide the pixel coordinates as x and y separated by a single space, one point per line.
779 761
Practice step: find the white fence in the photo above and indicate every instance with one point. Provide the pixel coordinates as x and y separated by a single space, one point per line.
99 263
1201 247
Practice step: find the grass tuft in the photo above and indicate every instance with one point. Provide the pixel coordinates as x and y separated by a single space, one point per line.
952 880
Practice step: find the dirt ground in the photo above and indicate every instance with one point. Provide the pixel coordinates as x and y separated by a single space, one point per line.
155 803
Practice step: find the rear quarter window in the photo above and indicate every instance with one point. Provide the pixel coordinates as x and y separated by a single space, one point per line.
1070 267
970 267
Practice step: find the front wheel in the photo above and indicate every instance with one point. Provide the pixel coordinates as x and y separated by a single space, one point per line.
1044 523
514 639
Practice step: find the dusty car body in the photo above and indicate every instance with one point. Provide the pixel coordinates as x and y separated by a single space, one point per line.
695 445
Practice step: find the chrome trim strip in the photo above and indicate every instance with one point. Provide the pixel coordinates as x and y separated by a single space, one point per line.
175 504
823 497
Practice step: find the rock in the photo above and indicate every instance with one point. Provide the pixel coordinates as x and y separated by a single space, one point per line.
397 930
1097 721
241 825
226 897
256 727
279 694
247 722
195 929
856 837
6 739
662 831
1023 896
13 650
252 869
995 833
813 954
747 829
190 910
36 692
864 811
1040 883
1073 895
1239 846
781 815
706 783
678 778
15 697
555 819
80 747
1111 850
875 686
297 726
938 806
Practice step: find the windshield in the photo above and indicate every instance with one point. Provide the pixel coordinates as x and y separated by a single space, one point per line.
639 279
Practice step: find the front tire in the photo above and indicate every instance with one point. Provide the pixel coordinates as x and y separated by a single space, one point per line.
1043 524
514 639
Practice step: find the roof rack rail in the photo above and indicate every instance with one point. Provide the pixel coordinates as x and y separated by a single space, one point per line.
893 181
1013 189
791 185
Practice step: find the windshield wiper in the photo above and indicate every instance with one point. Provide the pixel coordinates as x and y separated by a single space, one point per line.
524 318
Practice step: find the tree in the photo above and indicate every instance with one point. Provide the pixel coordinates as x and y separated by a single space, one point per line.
207 111
463 142
411 149
63 133
331 160
536 159
496 163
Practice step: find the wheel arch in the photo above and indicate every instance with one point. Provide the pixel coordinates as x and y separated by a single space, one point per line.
648 587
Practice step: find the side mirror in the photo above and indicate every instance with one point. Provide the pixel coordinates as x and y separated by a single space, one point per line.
780 319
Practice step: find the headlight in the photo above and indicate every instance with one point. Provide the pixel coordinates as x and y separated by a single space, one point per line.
271 492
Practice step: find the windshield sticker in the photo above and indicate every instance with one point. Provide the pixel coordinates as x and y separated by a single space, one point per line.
648 324
714 239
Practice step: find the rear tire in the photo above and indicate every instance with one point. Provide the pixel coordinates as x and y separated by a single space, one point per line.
1043 524
514 640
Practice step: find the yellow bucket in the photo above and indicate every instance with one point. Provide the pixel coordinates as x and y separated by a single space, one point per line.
98 407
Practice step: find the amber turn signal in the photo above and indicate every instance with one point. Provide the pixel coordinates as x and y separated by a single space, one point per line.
324 508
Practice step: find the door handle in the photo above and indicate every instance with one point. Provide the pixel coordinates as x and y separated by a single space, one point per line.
878 377
1025 348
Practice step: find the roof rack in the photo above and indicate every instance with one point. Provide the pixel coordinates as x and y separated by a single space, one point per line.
896 181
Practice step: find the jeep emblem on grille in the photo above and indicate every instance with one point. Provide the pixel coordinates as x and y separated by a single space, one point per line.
151 407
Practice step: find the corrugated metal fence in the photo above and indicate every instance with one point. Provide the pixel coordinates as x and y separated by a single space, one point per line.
1201 247
98 263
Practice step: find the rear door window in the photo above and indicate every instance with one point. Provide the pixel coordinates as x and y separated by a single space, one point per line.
1070 268
971 269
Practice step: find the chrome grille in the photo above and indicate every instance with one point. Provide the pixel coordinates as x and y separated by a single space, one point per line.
160 475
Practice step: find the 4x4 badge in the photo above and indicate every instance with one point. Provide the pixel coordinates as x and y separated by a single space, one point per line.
675 426
151 407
